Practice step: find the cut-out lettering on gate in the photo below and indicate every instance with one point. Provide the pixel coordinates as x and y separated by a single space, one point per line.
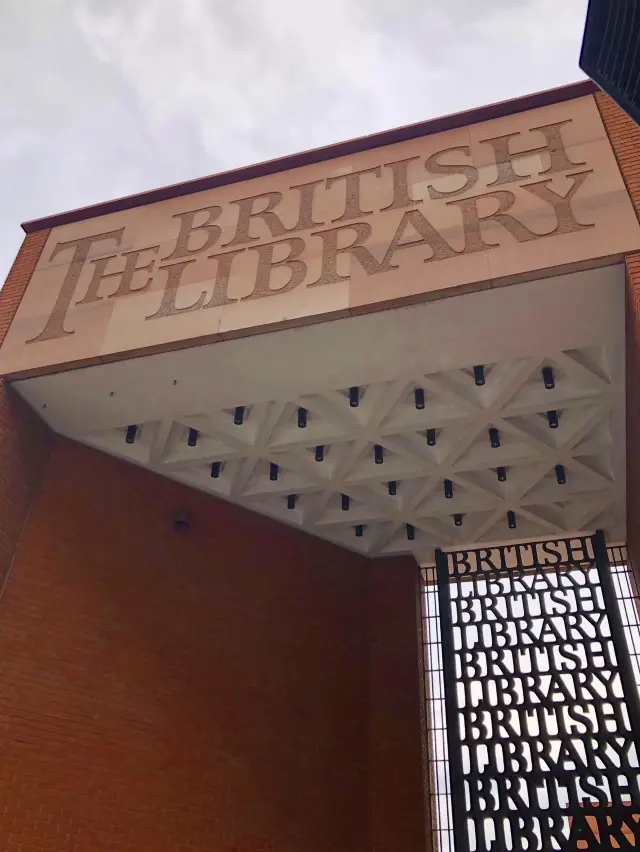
542 715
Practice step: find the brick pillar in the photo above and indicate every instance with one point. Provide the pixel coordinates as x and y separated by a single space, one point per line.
24 438
632 332
624 136
396 791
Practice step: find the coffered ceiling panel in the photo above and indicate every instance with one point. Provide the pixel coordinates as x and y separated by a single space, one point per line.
401 465
490 417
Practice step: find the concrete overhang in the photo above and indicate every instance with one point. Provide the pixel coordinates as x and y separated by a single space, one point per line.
573 324
362 273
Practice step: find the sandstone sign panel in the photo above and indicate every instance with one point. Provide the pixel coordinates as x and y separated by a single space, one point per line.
467 208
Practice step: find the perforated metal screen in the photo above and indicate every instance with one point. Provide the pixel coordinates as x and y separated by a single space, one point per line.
541 659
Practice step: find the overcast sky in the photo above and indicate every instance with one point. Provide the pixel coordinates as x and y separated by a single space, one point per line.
101 98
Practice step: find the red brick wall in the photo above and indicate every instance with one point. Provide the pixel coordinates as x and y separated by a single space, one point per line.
625 141
239 686
24 439
19 276
396 797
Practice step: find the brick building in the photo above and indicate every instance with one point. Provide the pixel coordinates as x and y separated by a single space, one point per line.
239 416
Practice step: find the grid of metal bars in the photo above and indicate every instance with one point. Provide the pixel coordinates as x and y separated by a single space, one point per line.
438 769
438 762
626 588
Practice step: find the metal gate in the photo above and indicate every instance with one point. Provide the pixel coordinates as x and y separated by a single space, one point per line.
542 710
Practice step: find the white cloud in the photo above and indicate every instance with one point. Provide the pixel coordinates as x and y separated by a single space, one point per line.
100 98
